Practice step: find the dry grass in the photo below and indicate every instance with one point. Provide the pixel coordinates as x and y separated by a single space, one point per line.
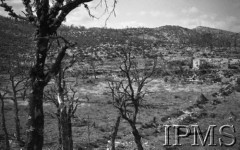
93 123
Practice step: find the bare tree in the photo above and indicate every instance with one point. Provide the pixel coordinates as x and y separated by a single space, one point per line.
64 97
66 102
93 65
128 93
115 131
2 97
18 87
94 61
46 16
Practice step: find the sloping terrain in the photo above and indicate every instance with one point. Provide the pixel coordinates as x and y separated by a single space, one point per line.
168 103
17 35
16 38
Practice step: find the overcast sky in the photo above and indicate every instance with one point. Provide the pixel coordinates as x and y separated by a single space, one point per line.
223 14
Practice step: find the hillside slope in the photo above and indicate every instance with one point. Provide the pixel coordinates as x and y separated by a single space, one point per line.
16 37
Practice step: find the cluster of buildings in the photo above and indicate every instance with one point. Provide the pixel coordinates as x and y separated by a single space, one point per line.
220 63
197 63
200 63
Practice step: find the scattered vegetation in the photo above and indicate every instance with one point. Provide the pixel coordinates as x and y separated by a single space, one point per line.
175 93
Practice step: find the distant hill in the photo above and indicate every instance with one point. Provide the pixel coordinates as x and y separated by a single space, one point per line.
202 29
15 40
200 36
177 34
16 37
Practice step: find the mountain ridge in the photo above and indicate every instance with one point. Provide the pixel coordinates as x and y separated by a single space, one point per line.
200 36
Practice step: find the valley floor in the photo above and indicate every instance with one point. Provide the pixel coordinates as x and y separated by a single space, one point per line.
165 104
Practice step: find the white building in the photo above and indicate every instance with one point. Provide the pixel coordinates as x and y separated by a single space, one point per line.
198 63
221 63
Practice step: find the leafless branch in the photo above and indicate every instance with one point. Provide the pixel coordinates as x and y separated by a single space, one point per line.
89 12
112 12
10 11
56 66
65 10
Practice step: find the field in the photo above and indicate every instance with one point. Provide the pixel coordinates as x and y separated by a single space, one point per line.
94 120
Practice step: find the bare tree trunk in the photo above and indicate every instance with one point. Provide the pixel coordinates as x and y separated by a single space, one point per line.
15 104
137 136
70 133
65 130
59 127
93 68
115 131
35 125
95 74
16 117
35 119
64 116
7 147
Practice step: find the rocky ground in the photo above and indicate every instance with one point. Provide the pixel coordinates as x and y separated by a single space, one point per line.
167 104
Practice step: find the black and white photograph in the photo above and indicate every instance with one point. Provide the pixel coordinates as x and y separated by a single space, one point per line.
119 75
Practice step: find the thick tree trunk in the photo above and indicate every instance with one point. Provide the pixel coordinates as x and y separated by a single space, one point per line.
35 119
7 147
65 130
115 131
137 137
35 125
